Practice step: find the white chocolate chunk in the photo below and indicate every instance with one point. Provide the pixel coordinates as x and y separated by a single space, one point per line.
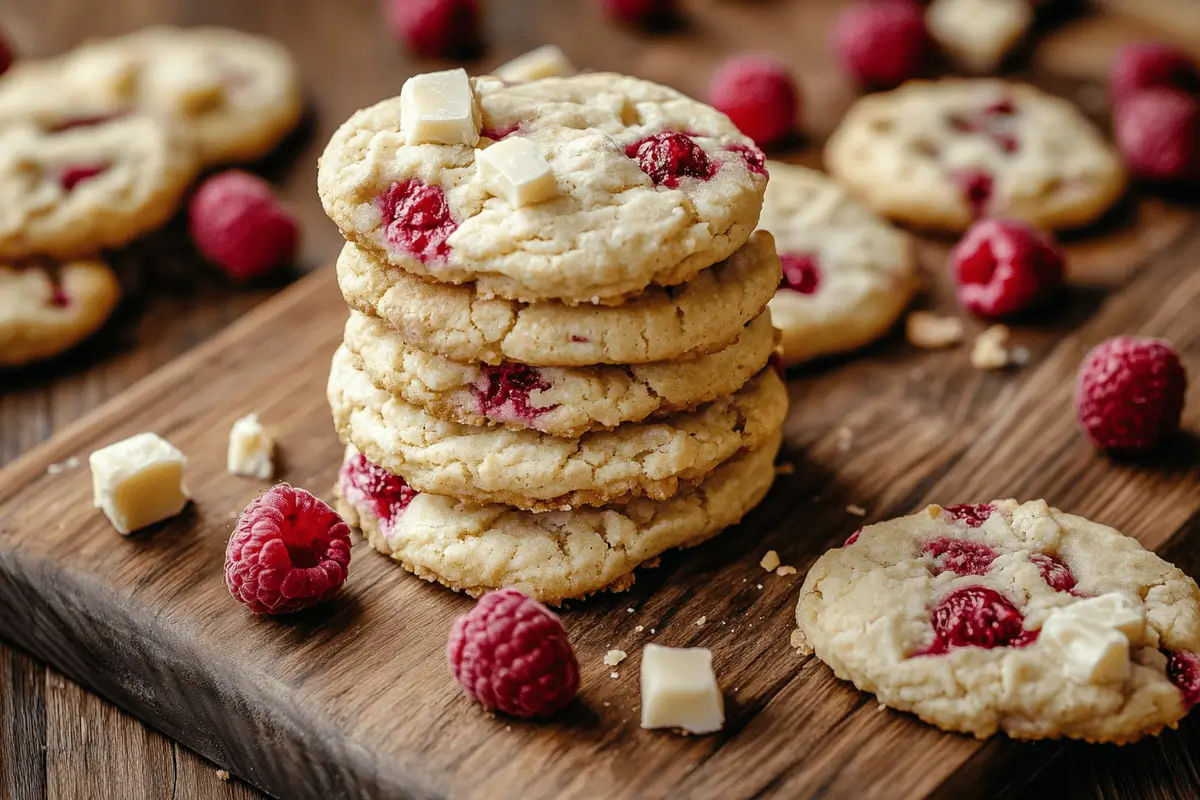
1112 610
1089 653
679 690
250 449
439 108
978 33
515 171
546 61
138 481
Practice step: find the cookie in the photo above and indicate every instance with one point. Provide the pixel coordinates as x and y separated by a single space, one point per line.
651 188
978 34
1010 617
46 309
531 470
235 94
704 315
74 191
552 556
847 274
565 402
942 154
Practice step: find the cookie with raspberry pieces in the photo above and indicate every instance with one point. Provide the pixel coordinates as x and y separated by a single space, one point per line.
940 154
46 309
1010 617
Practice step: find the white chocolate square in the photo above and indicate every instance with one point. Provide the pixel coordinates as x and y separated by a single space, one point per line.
514 170
978 33
679 690
1111 610
546 61
250 449
439 108
1089 653
138 481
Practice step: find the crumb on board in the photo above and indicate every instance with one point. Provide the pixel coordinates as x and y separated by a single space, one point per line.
614 675
760 586
989 351
769 561
702 620
223 775
629 610
845 438
614 657
930 331
639 628
857 511
800 642
784 570
786 468
62 466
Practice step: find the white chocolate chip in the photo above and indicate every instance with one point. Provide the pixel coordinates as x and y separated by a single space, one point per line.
546 61
250 449
679 690
439 108
614 657
138 481
989 351
515 171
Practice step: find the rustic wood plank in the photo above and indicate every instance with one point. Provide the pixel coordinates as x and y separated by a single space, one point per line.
22 726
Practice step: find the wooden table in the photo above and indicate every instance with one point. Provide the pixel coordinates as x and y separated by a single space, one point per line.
58 740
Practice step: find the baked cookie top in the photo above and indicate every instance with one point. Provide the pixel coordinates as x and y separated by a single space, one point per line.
1009 617
560 401
528 469
847 273
71 191
941 154
46 309
702 316
650 187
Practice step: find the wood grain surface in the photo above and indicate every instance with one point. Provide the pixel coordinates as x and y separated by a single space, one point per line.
923 427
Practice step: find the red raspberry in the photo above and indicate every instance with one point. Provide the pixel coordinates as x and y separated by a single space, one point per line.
759 95
1151 65
1055 573
1183 669
973 515
801 272
7 56
237 223
641 12
976 616
417 218
385 494
1158 133
669 156
289 551
504 390
435 28
960 556
511 653
1002 267
882 43
755 160
72 176
1130 393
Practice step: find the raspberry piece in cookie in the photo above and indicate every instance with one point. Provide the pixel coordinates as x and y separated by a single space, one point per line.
669 157
417 219
504 391
511 654
1184 671
882 43
378 491
1151 65
801 272
976 616
759 95
1158 132
960 556
289 552
46 309
1003 267
435 28
1130 393
237 223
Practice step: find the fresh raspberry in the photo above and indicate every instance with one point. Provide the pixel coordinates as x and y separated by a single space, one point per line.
1055 573
977 188
289 551
1151 65
759 95
1158 133
511 653
973 515
960 556
72 176
669 156
882 43
7 56
1130 393
417 218
755 160
976 616
801 272
237 223
1002 267
386 495
504 390
639 12
1183 669
435 28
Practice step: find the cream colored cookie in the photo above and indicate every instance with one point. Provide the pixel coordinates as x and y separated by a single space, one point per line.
847 274
565 402
531 470
1010 617
552 556
978 34
704 315
73 192
609 228
941 154
46 309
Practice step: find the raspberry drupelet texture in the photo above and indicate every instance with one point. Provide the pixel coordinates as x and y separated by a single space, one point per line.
1183 669
1004 267
960 556
973 515
976 616
881 43
1151 65
417 219
1130 393
1158 133
238 223
504 391
1055 573
510 653
670 156
386 495
435 28
289 551
759 95
641 12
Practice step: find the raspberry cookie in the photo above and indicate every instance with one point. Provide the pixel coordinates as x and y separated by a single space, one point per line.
531 470
942 154
46 309
1009 617
552 556
847 274
73 191
704 315
559 401
648 187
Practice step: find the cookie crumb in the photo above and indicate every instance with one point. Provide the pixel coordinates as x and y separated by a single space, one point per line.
769 561
785 570
614 675
223 775
845 438
62 466
930 331
508 728
760 586
639 628
989 351
629 610
786 468
857 511
1019 356
652 630
800 642
702 620
614 657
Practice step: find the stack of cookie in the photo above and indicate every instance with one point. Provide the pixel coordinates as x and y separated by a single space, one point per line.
556 364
